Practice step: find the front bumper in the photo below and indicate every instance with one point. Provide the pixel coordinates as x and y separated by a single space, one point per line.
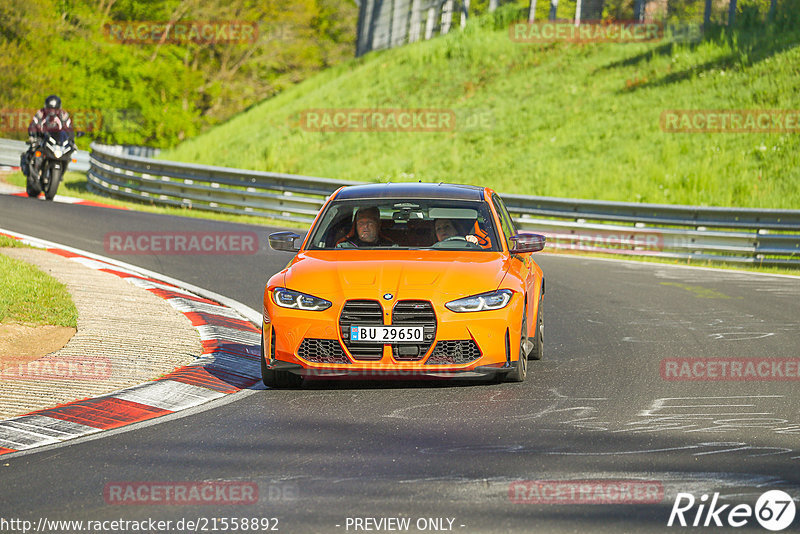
371 373
483 342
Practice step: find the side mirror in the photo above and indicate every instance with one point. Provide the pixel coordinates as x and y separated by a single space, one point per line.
285 241
527 243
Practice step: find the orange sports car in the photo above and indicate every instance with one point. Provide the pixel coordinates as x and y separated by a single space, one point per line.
405 280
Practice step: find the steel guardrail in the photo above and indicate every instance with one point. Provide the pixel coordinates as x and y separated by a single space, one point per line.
738 235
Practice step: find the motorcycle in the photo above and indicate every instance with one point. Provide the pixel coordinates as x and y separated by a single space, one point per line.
48 164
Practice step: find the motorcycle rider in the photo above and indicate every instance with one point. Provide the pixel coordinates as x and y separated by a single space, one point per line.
51 118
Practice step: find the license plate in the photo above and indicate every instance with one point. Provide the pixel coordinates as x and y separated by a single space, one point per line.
386 334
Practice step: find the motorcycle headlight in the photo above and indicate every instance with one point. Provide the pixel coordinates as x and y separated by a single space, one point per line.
287 298
492 300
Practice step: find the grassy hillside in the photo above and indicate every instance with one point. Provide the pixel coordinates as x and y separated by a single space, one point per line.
570 120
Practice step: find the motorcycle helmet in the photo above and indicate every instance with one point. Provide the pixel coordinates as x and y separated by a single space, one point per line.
52 102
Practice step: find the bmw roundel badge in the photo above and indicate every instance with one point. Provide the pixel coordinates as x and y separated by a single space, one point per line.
388 296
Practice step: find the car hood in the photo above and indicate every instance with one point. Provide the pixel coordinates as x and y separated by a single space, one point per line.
406 274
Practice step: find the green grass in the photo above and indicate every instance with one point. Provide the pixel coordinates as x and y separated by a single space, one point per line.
11 243
29 296
566 120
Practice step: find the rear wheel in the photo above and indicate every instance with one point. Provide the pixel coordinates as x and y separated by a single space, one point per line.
520 372
32 186
277 379
32 191
538 341
52 187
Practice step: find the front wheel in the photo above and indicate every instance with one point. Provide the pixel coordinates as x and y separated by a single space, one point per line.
520 372
277 379
52 187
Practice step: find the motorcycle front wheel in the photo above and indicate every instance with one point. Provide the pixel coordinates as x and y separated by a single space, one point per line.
52 187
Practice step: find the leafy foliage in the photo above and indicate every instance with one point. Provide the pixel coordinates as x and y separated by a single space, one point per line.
161 93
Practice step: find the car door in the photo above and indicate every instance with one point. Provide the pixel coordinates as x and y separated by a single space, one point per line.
520 265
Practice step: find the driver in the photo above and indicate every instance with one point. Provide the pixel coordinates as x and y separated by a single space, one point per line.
366 230
446 228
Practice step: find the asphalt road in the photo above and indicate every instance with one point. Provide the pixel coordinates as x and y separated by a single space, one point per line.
595 408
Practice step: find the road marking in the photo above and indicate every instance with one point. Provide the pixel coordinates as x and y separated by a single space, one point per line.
699 291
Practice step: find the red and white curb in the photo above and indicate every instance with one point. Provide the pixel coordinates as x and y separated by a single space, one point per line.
230 362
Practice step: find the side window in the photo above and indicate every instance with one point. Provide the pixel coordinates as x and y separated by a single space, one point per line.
505 219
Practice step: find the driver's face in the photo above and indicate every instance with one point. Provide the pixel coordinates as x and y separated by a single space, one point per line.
367 228
444 229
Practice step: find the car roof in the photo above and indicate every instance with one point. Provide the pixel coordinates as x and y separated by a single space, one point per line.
412 190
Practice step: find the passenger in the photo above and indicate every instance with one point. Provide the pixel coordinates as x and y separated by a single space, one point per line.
446 228
366 230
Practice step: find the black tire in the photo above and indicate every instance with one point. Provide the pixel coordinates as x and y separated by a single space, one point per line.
538 342
32 192
277 379
520 372
32 186
23 163
52 187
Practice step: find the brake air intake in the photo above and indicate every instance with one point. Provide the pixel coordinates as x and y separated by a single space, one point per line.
454 352
322 351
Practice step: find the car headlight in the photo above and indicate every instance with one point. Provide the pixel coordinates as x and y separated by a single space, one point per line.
286 298
492 300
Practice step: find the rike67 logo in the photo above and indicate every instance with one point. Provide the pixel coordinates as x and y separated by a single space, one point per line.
774 510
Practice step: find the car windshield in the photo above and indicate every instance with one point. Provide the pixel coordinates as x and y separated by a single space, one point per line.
405 224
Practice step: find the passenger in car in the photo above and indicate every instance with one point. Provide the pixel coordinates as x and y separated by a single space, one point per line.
446 228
